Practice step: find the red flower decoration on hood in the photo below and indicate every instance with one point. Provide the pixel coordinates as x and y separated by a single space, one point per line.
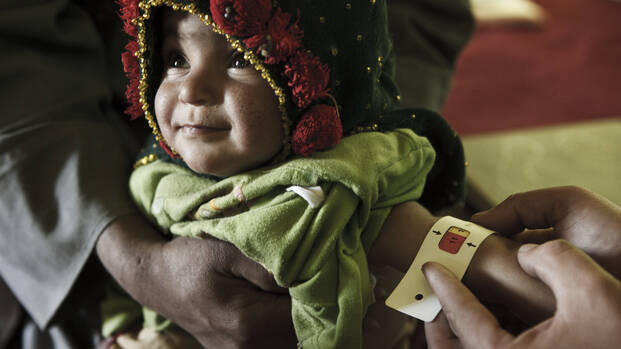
241 17
132 72
279 41
308 78
129 11
318 129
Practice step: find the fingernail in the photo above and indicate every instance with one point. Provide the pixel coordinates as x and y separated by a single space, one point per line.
425 267
526 247
476 217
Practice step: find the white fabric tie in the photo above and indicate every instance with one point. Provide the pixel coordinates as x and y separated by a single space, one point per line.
313 195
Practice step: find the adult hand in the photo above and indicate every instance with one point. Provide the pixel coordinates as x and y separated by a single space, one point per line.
588 305
587 220
207 287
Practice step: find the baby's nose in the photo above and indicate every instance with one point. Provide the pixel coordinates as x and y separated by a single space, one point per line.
200 89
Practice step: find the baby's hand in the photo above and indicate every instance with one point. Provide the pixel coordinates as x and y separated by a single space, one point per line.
494 275
382 326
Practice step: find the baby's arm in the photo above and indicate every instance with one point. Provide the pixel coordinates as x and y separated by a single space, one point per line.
494 274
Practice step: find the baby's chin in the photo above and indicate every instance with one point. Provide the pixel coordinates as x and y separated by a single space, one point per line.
222 166
210 169
221 169
205 162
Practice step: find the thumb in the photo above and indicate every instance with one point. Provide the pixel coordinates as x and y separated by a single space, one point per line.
474 326
230 260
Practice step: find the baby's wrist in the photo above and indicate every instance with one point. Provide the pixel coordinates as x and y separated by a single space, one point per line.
489 260
401 236
449 241
496 277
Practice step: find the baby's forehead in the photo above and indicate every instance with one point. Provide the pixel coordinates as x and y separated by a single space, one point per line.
185 25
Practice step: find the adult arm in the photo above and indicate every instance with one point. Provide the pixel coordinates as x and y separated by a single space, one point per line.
205 286
588 298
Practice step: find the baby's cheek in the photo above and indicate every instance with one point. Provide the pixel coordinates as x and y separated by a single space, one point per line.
163 103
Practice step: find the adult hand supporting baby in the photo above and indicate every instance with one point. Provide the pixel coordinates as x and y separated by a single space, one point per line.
588 305
208 287
587 220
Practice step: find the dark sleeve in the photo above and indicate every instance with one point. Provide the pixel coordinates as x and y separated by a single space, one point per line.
428 36
445 183
65 157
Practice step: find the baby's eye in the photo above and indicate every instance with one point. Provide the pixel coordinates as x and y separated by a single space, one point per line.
238 61
175 60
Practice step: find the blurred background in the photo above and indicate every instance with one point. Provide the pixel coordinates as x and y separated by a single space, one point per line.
537 97
525 68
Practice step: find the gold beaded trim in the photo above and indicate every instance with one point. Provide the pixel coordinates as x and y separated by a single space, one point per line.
145 160
369 128
251 57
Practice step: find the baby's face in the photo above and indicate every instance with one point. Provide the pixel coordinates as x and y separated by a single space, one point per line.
212 106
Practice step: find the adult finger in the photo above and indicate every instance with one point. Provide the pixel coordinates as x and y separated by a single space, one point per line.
474 325
439 334
251 308
251 296
233 262
530 210
256 274
564 268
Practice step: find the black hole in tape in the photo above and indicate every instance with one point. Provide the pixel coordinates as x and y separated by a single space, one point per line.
418 297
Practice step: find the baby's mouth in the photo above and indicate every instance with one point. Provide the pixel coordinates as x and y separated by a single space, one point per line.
193 130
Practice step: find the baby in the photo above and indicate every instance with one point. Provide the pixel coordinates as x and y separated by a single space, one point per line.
248 102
